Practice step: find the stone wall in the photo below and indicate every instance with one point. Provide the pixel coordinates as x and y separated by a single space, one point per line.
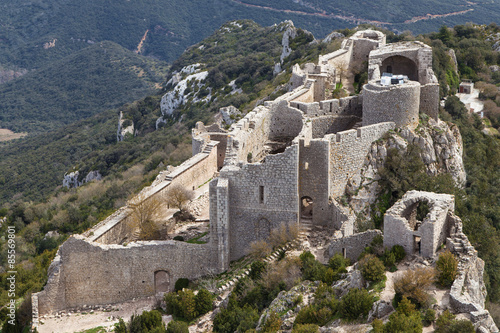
313 177
429 100
398 103
249 136
262 196
352 246
416 55
286 121
348 150
97 274
192 173
324 125
432 232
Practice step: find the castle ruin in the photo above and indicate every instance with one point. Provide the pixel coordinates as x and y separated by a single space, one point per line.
285 161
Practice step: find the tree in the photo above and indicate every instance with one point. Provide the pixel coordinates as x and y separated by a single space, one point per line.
177 195
372 268
405 319
446 267
145 211
356 303
414 284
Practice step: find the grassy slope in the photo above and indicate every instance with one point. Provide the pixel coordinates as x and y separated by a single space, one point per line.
99 77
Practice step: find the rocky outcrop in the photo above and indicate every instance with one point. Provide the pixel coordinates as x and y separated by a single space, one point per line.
290 302
125 126
71 180
441 151
178 96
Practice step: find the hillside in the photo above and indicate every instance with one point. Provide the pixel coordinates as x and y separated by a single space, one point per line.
32 201
101 76
36 32
90 144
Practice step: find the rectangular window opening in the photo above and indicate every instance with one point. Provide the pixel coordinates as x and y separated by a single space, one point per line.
261 194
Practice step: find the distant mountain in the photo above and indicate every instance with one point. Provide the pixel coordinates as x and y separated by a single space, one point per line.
101 76
33 33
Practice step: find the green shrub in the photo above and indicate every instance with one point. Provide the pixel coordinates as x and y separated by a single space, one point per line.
272 324
183 304
377 326
305 328
356 303
306 255
181 284
399 252
372 268
446 267
120 327
256 270
405 319
148 321
312 314
338 261
176 326
235 318
313 270
429 317
389 260
203 301
446 323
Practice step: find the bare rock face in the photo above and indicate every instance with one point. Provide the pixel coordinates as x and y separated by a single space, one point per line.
441 151
380 309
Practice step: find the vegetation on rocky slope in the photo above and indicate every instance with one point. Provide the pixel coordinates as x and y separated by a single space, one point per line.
33 203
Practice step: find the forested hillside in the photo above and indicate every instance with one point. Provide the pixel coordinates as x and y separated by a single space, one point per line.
99 77
36 32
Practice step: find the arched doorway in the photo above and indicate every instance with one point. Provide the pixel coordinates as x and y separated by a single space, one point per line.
306 208
162 282
400 65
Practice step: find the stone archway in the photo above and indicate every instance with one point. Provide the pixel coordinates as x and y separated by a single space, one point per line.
162 282
400 65
306 207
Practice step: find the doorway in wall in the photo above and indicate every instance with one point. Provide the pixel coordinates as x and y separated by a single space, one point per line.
306 208
162 282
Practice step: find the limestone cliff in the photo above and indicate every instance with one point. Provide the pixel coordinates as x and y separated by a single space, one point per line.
441 151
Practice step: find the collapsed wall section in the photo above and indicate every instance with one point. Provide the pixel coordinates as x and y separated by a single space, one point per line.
97 274
261 197
352 246
348 150
248 136
401 226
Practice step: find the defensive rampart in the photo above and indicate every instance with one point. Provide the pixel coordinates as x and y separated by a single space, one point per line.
89 273
192 173
348 150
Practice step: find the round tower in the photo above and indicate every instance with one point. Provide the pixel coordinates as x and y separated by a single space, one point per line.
397 102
